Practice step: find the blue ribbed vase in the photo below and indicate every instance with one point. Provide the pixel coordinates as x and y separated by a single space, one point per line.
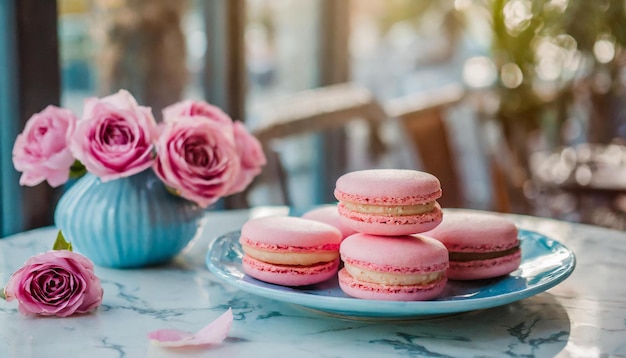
128 222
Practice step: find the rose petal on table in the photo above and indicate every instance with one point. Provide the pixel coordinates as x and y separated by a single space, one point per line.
169 335
214 333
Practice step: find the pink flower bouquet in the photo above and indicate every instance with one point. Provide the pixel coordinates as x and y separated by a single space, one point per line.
198 152
147 184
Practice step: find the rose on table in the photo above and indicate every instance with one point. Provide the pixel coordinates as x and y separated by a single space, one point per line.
62 283
58 283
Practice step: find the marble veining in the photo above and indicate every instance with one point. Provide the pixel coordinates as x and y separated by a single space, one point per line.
585 316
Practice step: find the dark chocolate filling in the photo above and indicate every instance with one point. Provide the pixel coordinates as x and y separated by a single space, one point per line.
474 256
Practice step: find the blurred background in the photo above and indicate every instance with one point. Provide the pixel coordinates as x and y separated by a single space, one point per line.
516 105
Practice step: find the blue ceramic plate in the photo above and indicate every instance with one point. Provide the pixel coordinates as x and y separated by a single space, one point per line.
545 263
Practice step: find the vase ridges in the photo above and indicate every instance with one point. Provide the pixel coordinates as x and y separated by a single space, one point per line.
129 222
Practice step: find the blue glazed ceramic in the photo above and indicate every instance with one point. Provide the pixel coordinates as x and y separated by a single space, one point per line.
126 223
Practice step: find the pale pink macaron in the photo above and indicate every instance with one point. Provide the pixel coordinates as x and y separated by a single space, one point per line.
389 201
481 245
290 251
399 268
330 215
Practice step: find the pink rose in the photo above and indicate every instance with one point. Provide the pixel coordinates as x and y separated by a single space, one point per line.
55 283
41 151
197 158
190 108
115 137
251 156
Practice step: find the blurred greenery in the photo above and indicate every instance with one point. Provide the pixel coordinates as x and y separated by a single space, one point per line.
570 54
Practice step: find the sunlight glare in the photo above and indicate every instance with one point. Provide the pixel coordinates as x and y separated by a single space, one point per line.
517 14
479 72
604 50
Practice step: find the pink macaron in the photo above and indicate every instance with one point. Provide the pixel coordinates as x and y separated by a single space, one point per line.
481 245
389 201
290 251
330 215
399 268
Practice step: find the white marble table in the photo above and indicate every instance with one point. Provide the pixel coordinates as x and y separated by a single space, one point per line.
585 316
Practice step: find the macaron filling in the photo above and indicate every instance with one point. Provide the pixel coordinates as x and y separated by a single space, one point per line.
289 275
481 269
389 210
303 258
391 278
293 269
376 291
386 200
434 216
476 256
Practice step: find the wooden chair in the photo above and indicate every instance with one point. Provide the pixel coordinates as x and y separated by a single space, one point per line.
314 111
423 118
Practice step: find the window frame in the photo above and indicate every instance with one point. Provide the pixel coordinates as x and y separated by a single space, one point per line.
10 198
31 80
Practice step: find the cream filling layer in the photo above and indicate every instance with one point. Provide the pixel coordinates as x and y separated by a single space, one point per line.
291 258
395 210
396 279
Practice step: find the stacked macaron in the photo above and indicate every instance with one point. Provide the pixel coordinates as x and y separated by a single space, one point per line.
389 201
386 260
400 268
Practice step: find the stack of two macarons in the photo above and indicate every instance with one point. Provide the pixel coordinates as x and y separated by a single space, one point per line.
386 260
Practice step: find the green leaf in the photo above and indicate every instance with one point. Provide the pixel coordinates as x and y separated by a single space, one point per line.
172 190
2 294
61 243
77 170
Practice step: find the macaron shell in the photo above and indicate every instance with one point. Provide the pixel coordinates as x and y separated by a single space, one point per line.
481 269
373 291
288 231
289 275
401 254
330 215
391 225
475 232
387 187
